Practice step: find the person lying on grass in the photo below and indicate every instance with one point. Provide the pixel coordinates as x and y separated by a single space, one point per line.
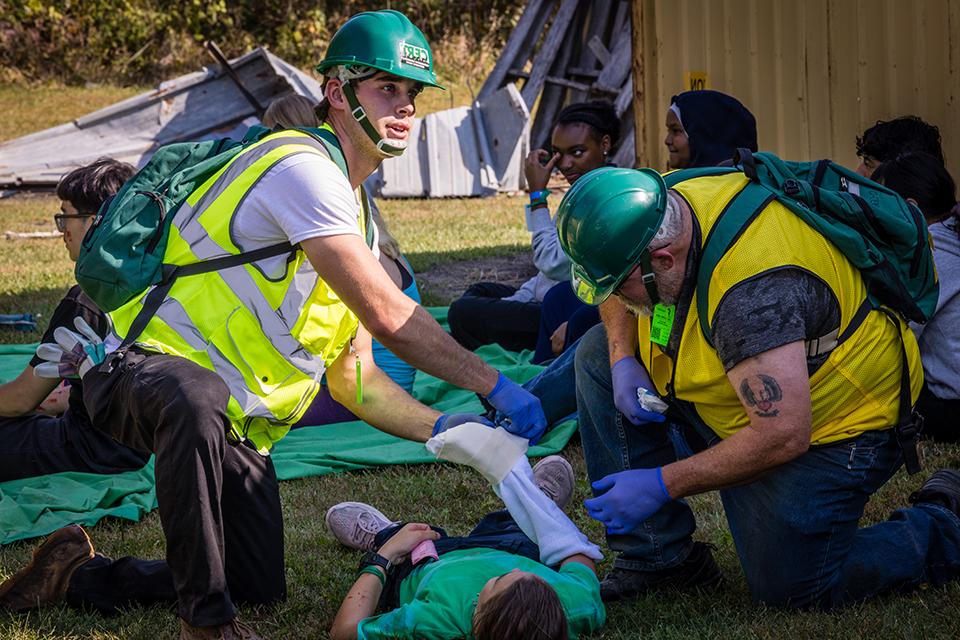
525 573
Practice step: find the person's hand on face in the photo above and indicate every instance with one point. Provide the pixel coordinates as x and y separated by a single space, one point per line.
579 150
398 548
538 167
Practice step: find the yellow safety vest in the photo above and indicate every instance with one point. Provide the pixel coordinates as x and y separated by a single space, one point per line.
269 337
857 389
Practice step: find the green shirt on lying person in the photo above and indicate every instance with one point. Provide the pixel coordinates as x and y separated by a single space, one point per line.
437 599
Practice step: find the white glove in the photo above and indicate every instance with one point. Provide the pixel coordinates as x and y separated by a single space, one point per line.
541 519
73 354
492 452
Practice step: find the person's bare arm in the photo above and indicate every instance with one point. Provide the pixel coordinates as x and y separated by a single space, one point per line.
24 393
385 404
582 559
775 391
621 328
361 600
403 326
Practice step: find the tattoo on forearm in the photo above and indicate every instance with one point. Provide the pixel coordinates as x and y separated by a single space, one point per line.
763 392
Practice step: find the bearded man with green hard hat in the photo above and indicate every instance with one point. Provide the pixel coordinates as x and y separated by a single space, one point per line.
792 426
233 357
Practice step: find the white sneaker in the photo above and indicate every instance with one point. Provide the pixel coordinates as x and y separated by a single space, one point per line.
554 477
355 524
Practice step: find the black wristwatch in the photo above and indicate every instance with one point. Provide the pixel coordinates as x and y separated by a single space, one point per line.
372 558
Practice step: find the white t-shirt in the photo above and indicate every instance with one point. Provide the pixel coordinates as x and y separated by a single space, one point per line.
301 197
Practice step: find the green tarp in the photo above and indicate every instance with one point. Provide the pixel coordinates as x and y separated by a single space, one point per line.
36 506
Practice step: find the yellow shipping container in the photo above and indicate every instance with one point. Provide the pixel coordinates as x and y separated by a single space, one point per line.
815 73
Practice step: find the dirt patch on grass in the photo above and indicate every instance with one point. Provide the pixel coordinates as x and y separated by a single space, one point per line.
442 283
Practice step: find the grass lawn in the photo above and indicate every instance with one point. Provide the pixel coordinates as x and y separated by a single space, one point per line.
35 273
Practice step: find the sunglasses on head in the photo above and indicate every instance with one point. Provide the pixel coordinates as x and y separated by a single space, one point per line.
58 219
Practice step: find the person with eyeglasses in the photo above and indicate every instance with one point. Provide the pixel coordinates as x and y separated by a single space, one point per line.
35 443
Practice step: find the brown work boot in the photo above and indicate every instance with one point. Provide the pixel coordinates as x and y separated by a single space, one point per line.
44 581
233 630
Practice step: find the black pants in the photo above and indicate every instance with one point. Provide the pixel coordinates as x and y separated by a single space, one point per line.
38 444
481 316
219 502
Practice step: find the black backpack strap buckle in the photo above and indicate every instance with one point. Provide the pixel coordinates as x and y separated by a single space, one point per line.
908 434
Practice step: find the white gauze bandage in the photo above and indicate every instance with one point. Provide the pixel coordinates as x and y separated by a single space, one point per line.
492 452
541 519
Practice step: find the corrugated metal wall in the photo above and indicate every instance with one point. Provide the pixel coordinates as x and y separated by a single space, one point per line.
815 73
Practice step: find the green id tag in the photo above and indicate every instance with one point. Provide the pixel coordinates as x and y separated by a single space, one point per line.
359 369
359 382
662 323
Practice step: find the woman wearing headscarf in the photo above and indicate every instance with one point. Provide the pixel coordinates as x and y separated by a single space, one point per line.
705 127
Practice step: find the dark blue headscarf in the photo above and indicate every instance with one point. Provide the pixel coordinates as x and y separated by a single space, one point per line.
716 125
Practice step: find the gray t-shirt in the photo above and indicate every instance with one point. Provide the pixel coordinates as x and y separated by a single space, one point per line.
940 338
761 313
772 310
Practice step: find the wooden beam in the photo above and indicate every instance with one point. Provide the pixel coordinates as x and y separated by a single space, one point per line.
601 13
638 82
616 71
533 15
554 96
563 82
586 73
547 53
601 53
624 98
217 55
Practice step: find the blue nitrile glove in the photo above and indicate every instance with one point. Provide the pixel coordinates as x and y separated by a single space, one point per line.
451 420
73 354
524 415
628 374
627 498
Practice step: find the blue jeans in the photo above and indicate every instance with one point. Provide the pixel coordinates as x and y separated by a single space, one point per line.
554 387
795 529
560 305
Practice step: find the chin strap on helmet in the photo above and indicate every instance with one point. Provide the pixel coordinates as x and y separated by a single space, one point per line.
345 74
649 278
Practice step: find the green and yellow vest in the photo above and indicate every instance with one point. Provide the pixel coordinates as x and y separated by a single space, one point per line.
270 338
856 390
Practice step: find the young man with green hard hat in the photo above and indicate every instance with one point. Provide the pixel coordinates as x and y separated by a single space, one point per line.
232 357
794 429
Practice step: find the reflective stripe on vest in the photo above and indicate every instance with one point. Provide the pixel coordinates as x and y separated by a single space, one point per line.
856 389
269 329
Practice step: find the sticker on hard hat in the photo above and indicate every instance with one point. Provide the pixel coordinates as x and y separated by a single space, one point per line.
413 55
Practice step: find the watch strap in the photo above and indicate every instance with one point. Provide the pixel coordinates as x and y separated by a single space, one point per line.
372 558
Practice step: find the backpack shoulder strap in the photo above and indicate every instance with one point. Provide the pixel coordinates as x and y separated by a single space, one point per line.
673 178
732 222
330 143
368 223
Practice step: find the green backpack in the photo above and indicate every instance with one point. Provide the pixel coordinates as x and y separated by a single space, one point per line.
122 253
884 236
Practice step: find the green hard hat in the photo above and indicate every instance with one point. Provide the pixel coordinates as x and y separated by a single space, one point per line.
385 40
605 223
